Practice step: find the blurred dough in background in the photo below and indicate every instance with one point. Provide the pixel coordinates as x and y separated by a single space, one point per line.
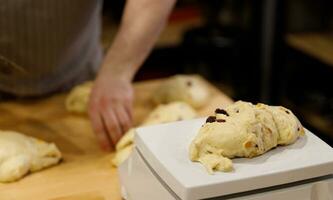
171 112
175 98
175 111
121 155
126 140
20 154
78 98
186 88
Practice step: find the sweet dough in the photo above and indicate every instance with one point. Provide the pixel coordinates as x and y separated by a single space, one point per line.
171 112
177 88
182 88
121 155
78 98
20 154
174 111
126 140
242 130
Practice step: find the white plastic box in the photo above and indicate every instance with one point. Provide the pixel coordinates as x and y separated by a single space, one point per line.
159 168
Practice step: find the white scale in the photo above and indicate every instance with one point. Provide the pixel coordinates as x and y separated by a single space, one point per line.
159 169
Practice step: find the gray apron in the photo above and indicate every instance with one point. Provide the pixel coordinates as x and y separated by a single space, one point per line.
48 45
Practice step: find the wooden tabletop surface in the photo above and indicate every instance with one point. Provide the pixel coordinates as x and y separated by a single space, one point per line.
86 172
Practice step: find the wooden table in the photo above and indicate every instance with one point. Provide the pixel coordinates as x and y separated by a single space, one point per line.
86 172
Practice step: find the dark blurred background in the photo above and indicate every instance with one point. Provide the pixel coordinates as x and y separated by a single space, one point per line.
273 51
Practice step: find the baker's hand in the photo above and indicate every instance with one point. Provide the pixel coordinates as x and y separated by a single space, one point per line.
110 107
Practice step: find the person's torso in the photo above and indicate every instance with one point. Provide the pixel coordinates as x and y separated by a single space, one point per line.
45 42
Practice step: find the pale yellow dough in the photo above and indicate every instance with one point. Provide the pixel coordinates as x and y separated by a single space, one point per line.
20 154
171 112
174 111
184 88
287 124
121 155
78 98
243 130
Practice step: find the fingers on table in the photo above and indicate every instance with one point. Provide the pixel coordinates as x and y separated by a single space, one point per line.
112 125
124 118
98 127
128 104
110 122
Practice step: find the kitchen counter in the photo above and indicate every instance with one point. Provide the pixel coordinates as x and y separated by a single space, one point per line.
86 172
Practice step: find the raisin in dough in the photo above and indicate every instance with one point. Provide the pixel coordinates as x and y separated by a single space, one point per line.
78 98
174 111
171 112
20 154
182 88
243 130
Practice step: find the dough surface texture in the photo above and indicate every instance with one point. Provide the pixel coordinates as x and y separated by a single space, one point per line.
171 112
20 154
243 130
78 98
184 88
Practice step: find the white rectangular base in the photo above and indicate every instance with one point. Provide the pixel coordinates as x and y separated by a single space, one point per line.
165 148
139 182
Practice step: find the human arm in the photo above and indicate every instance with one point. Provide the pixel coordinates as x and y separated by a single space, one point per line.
110 105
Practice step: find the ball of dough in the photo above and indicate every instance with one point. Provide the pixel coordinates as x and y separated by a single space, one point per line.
242 130
78 98
184 88
161 114
171 112
20 154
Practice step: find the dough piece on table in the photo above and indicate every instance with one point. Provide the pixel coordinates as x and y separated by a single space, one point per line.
162 114
184 88
124 147
171 112
77 100
20 154
126 140
121 155
242 130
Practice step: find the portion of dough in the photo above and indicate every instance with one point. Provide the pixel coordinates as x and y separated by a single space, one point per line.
78 98
174 111
20 154
77 101
287 124
182 88
243 130
121 155
126 140
171 112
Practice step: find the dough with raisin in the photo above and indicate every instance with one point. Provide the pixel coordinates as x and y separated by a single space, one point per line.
174 111
184 88
242 130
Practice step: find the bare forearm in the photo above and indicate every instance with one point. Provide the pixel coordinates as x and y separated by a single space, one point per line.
140 27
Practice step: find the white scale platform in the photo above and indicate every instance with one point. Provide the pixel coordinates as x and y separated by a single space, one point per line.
159 168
